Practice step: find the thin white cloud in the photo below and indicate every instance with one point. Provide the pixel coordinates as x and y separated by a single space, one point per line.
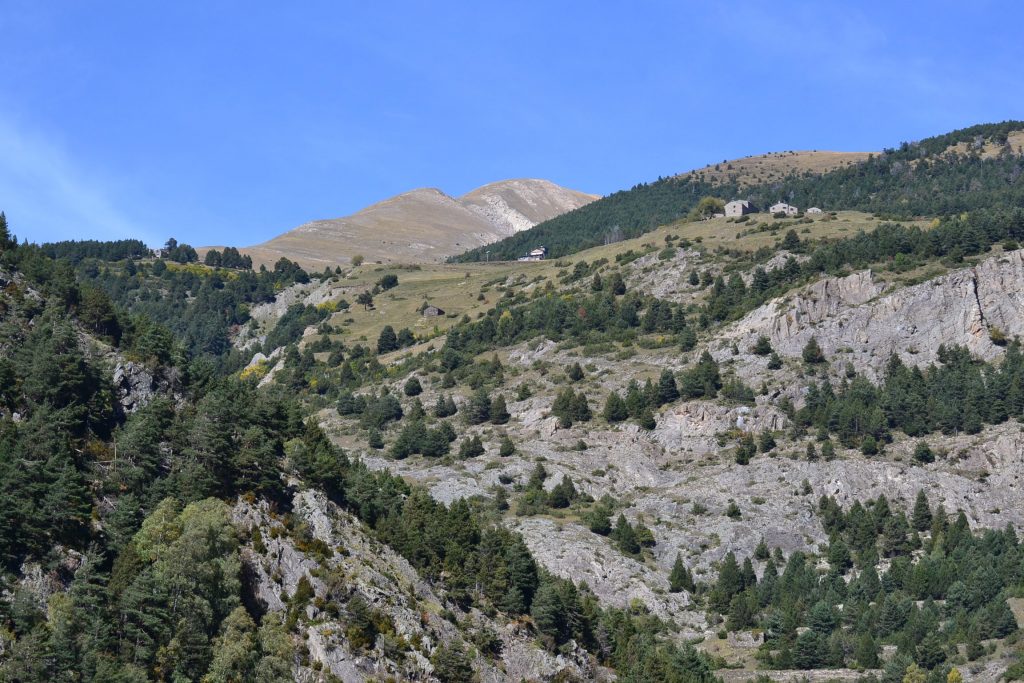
48 196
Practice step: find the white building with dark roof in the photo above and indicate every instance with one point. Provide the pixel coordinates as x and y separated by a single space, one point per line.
783 207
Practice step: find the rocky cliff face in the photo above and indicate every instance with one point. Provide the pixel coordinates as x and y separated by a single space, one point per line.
855 319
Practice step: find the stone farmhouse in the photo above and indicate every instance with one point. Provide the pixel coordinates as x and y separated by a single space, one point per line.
739 207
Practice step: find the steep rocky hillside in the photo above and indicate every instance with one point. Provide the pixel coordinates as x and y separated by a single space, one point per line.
745 472
320 569
423 225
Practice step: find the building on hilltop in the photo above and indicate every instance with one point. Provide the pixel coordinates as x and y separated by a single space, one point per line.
784 208
537 254
432 311
739 207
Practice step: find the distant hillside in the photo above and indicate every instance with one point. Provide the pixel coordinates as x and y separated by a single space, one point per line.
423 225
775 166
977 167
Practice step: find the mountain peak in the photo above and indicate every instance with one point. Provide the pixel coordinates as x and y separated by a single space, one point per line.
423 224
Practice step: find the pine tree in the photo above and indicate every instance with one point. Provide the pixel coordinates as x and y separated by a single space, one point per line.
745 450
365 299
563 494
679 579
923 453
667 389
828 451
444 407
922 515
839 555
866 653
574 372
5 233
478 410
791 242
615 408
812 353
388 340
548 613
762 347
812 452
499 411
471 447
625 536
452 664
506 447
597 520
616 285
646 419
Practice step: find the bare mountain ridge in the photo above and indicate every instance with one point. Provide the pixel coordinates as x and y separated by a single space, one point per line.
423 225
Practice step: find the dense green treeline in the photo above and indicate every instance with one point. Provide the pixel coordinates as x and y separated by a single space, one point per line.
198 305
913 180
124 506
75 251
579 316
960 394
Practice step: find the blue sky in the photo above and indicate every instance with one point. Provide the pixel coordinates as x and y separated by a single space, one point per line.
228 122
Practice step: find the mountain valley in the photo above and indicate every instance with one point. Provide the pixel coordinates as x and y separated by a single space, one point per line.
703 448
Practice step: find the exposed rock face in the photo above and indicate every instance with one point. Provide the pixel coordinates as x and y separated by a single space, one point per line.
854 318
516 205
668 279
388 585
573 552
694 426
136 386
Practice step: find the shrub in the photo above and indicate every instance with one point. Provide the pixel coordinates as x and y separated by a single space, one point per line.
412 387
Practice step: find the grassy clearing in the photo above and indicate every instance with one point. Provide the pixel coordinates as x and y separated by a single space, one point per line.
457 288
